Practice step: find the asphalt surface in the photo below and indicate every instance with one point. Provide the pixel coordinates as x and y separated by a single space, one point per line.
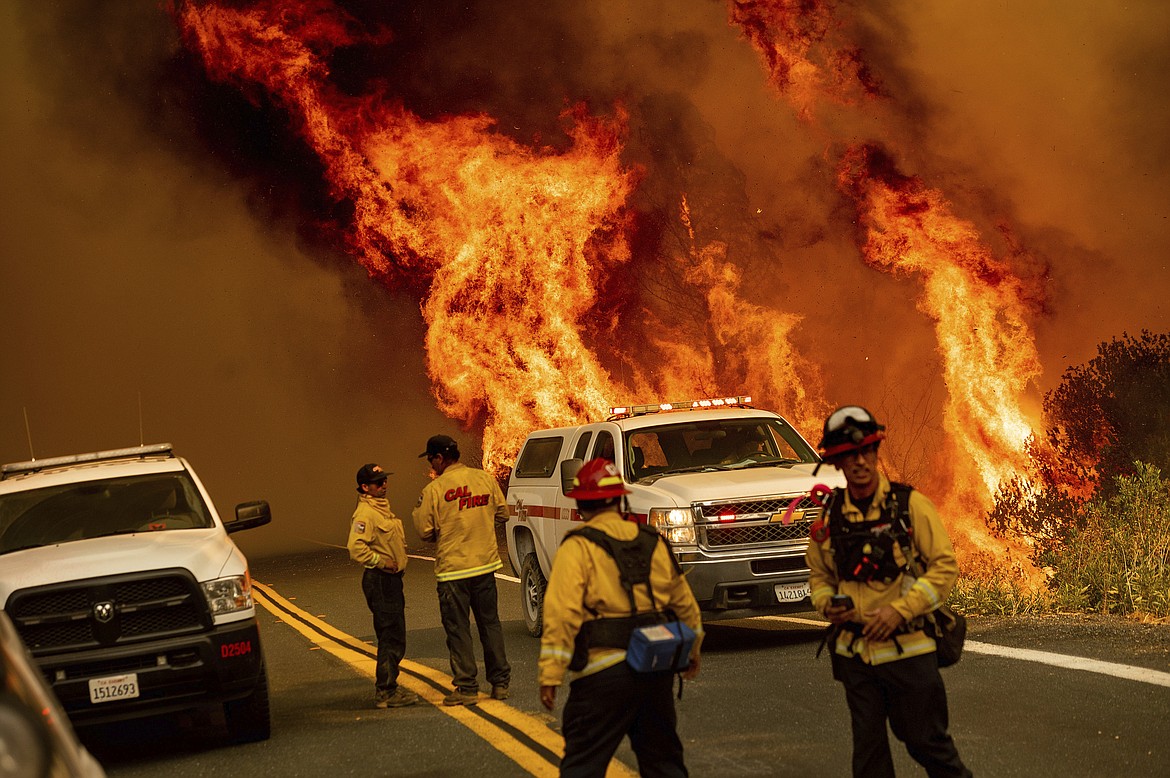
762 705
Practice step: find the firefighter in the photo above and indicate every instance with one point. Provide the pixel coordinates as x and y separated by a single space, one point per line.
458 510
607 699
377 543
861 583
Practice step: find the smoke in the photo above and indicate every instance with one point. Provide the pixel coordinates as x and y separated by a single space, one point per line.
138 272
168 238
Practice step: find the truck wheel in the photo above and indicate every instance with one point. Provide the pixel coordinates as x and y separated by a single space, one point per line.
532 586
249 720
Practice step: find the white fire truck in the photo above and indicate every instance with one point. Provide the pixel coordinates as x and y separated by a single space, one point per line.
726 483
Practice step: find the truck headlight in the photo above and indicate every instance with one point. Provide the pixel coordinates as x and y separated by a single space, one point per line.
228 595
676 524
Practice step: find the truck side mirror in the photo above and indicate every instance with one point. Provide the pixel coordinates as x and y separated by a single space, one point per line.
569 468
249 515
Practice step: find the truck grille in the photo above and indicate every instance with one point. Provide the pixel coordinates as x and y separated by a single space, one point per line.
109 611
753 525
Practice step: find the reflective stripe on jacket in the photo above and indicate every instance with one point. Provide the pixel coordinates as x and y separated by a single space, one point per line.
459 510
585 581
911 598
376 534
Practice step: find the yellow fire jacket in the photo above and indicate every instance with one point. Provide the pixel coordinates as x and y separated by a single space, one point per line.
459 509
911 597
584 578
376 534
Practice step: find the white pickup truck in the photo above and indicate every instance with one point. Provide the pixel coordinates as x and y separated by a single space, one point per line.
726 483
119 575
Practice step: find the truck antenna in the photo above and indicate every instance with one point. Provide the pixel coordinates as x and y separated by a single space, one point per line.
141 438
28 431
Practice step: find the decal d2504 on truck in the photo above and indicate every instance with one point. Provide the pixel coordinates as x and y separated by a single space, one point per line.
122 581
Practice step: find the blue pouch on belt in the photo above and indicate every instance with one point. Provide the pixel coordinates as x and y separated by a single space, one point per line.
660 647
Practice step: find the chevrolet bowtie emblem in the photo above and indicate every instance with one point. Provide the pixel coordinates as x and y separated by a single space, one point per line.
777 518
103 611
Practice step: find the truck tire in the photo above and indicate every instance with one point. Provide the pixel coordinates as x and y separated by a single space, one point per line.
249 720
532 586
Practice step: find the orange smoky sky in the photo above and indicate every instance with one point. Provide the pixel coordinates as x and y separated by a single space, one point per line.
169 242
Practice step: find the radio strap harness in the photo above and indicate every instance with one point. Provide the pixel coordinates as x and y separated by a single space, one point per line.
633 559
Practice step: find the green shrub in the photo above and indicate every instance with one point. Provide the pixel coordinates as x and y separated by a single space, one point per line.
1119 561
998 598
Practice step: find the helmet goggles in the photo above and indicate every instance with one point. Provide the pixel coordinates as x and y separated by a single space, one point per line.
850 428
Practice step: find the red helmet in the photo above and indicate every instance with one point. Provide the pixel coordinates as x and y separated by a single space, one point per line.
597 479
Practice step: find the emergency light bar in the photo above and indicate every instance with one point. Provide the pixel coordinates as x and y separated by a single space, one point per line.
75 459
623 411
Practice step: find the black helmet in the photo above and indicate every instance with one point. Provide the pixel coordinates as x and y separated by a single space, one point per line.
849 428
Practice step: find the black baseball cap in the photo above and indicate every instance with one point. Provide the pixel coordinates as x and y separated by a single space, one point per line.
371 474
439 444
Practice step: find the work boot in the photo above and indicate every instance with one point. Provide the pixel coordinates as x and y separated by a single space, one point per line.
461 697
500 692
399 698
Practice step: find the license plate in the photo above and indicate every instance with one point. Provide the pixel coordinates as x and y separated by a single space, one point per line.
115 687
791 592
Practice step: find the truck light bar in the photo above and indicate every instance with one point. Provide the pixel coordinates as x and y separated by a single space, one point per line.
624 411
74 459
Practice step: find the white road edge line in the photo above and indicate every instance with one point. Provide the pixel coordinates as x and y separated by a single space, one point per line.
1129 672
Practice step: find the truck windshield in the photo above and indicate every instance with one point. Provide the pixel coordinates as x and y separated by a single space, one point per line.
93 509
715 444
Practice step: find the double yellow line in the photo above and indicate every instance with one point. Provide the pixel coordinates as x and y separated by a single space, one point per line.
523 738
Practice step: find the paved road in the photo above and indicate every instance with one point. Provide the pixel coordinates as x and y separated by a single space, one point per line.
763 706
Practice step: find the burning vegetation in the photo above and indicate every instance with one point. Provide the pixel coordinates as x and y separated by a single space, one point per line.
560 274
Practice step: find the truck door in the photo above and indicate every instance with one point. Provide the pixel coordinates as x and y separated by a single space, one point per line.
603 447
533 490
565 507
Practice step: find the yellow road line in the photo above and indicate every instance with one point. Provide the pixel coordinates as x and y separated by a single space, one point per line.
354 652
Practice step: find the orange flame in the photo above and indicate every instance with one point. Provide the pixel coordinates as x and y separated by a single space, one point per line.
510 239
804 51
772 366
981 309
511 244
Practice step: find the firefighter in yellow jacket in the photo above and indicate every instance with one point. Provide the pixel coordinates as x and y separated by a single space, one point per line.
607 699
377 543
861 582
458 511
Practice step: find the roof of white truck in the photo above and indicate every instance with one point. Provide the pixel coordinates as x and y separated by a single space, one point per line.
685 417
115 463
642 421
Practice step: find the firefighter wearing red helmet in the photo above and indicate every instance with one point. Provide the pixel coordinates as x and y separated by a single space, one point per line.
864 584
607 699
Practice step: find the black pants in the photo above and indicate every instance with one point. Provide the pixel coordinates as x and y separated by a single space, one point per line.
605 707
457 599
910 694
383 592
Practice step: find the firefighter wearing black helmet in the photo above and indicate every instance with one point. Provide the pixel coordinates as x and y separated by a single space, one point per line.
861 582
458 511
607 699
